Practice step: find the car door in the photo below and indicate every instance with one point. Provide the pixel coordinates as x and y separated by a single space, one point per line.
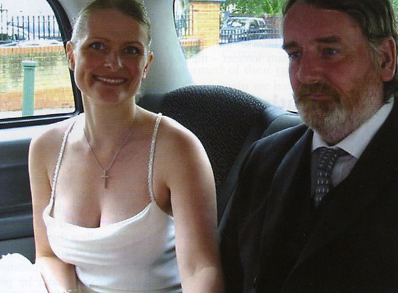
253 30
36 90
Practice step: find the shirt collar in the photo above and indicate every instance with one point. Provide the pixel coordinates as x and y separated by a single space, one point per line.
356 142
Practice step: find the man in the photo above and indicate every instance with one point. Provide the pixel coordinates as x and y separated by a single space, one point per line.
283 232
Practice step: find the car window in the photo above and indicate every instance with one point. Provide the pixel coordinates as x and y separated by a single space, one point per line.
225 45
35 79
253 24
235 23
261 24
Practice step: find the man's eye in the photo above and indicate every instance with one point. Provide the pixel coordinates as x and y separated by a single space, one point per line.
330 51
294 55
97 46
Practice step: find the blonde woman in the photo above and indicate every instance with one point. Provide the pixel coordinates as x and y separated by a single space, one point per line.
123 199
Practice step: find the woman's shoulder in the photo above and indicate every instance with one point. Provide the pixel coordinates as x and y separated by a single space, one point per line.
176 134
50 137
169 131
174 142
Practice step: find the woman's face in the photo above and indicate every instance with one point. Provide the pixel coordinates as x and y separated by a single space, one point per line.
111 57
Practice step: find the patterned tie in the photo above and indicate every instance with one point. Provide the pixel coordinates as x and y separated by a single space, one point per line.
326 161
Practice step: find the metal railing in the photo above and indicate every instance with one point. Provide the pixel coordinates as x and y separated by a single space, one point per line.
238 35
184 22
25 28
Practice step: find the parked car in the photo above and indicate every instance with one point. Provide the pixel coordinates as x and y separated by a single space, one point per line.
237 29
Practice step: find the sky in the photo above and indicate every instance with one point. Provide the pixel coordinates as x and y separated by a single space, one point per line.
18 7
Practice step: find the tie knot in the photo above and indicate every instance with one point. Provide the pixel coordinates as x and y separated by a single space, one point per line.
328 157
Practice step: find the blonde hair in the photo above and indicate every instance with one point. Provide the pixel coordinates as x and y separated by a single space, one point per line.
132 8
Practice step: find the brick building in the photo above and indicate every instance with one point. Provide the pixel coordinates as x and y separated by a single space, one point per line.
205 19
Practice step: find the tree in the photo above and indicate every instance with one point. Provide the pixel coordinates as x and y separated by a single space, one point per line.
395 6
262 7
254 7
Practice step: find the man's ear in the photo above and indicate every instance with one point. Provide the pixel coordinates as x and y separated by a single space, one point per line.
70 56
388 54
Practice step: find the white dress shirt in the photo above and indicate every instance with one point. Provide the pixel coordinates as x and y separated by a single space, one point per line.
354 144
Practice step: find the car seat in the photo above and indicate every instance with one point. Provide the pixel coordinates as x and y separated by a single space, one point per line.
227 121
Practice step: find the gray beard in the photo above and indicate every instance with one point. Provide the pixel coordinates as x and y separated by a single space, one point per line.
335 122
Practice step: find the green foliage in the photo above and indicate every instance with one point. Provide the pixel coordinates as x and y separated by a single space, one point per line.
254 7
395 5
261 7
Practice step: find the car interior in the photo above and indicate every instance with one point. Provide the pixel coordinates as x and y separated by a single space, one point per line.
226 119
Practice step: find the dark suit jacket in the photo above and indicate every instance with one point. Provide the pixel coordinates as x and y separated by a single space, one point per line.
273 241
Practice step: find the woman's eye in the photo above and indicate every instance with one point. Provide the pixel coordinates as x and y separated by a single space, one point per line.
132 50
97 46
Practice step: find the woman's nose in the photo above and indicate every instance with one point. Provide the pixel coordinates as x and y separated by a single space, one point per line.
113 60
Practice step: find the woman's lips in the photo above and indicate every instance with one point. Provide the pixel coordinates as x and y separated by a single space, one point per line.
110 80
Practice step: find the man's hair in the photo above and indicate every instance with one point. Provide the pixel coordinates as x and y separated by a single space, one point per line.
132 8
376 19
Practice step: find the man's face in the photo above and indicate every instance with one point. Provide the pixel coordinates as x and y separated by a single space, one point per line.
336 82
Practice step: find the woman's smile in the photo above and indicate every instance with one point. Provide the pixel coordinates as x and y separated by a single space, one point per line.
110 80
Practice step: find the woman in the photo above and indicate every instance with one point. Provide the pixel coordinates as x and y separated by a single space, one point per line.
120 194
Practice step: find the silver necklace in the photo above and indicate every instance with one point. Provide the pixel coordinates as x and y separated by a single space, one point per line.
105 175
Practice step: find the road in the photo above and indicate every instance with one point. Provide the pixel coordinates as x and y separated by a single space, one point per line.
259 67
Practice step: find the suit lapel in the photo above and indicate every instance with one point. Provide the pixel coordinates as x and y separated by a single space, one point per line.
372 175
280 195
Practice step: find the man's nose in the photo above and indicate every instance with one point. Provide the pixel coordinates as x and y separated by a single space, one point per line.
310 68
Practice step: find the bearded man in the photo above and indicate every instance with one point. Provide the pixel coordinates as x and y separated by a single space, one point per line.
315 208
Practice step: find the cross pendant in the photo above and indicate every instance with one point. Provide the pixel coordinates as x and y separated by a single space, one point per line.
105 177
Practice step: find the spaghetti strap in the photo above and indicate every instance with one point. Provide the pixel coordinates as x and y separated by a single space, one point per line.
60 156
151 157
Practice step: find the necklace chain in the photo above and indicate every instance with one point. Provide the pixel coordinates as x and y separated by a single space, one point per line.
105 176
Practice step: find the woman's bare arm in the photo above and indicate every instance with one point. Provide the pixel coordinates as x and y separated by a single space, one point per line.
58 276
189 177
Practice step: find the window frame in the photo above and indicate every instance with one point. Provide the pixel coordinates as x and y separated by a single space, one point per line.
65 29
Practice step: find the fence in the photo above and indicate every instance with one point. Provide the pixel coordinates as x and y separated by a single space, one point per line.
25 28
184 27
237 35
184 23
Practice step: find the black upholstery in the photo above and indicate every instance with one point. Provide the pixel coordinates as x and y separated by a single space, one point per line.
226 120
16 233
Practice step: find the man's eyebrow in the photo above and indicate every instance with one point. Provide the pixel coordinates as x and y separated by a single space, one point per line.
321 40
289 45
328 40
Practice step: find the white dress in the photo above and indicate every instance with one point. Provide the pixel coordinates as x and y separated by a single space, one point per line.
17 275
133 255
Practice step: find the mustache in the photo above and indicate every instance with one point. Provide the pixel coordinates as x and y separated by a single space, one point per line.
321 88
